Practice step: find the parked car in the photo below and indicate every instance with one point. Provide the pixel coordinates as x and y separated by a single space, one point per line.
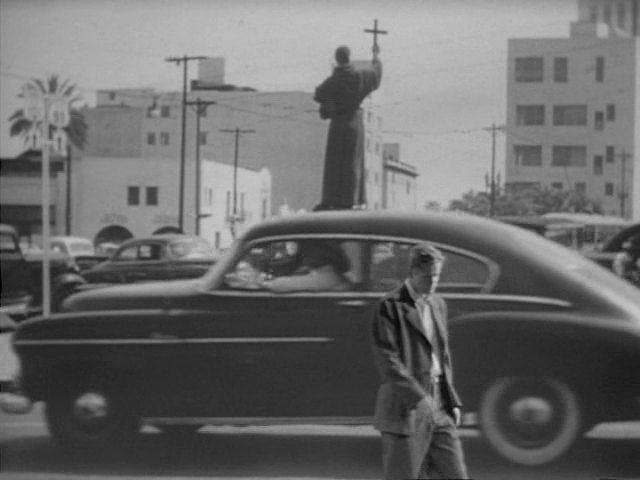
80 249
158 257
22 274
545 343
606 255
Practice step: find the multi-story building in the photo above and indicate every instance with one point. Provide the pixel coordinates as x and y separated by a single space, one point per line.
573 108
399 187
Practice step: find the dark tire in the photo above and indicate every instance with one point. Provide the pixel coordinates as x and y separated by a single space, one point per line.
91 416
530 420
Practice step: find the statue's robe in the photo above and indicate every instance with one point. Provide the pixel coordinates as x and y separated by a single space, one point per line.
340 96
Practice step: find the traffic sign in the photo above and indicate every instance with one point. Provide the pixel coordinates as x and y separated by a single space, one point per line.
59 113
34 108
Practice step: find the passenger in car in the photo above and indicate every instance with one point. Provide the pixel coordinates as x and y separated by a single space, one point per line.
322 268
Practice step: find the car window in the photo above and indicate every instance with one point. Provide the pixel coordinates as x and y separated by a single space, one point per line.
460 272
127 254
150 252
293 265
192 248
57 247
8 243
79 248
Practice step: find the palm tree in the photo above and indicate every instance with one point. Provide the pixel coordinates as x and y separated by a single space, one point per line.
76 130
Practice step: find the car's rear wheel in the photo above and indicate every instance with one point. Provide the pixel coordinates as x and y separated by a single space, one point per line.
90 416
530 420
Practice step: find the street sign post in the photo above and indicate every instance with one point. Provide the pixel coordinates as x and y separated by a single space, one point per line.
43 110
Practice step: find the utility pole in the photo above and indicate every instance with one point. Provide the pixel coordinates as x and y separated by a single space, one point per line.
624 156
201 110
184 60
234 217
492 183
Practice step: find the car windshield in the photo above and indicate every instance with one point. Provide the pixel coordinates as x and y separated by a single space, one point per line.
190 249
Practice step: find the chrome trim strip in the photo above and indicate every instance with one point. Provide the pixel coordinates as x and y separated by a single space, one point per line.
507 298
158 341
258 420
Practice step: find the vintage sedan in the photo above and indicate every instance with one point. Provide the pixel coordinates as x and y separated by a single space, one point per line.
546 344
158 257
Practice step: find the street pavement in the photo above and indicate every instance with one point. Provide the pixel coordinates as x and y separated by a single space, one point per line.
307 452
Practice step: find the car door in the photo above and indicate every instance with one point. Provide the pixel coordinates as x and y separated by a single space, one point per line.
263 354
151 263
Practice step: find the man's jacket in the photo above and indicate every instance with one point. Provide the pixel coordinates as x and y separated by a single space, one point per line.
403 357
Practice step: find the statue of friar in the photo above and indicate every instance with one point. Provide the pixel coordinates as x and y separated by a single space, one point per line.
340 96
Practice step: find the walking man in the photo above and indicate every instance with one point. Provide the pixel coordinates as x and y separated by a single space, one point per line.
417 408
340 97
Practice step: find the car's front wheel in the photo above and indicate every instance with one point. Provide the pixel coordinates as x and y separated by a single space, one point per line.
530 420
90 416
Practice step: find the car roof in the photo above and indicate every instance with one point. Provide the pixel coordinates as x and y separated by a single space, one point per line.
480 234
5 228
70 238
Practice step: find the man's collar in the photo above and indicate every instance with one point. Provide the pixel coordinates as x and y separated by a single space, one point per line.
415 296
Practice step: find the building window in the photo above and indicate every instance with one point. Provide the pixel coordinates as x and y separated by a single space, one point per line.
133 195
203 138
152 195
606 13
599 69
569 156
529 69
609 189
621 14
581 187
264 209
528 155
112 95
598 120
610 154
557 185
597 165
570 115
561 69
164 138
611 112
151 138
209 196
408 186
217 240
530 115
165 111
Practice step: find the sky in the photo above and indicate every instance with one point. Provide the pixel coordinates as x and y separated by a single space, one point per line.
444 61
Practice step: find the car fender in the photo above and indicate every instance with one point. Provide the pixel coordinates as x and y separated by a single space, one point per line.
579 347
65 279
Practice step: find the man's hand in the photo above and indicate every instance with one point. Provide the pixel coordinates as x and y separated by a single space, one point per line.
457 416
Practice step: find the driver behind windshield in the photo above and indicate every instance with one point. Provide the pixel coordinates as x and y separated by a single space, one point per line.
322 268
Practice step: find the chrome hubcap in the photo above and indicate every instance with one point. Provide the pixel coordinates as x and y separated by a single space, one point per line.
531 412
91 407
